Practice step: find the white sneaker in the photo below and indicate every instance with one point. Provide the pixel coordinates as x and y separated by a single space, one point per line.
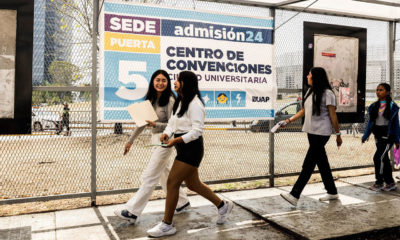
224 212
329 197
289 197
162 229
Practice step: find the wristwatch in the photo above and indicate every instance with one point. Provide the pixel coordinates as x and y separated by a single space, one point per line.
338 133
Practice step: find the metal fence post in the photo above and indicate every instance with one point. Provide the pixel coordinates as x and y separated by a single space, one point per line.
391 43
271 155
271 122
94 102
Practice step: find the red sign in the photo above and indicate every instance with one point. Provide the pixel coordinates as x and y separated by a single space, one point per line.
325 54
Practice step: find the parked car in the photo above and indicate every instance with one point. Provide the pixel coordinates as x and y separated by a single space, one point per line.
359 128
283 113
44 120
289 110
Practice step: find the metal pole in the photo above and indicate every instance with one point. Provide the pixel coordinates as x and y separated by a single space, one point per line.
94 101
395 92
271 122
391 54
391 69
271 155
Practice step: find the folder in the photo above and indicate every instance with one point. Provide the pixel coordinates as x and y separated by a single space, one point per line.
140 112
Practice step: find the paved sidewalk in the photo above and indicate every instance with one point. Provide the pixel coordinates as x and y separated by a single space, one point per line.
258 214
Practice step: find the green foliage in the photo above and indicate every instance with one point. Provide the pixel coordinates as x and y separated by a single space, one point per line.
37 98
63 73
85 96
50 98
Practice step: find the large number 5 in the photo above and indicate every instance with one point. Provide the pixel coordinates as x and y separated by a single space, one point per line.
126 75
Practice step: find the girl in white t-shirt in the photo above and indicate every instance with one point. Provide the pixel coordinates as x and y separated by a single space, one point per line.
319 110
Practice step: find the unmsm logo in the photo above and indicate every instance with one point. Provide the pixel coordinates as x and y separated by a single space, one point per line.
260 99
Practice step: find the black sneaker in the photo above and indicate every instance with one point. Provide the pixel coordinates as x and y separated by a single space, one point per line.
389 187
182 209
376 187
126 215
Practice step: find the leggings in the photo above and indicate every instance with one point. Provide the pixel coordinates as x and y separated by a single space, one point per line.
383 169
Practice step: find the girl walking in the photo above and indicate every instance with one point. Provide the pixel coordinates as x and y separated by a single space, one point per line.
187 125
384 124
319 109
160 95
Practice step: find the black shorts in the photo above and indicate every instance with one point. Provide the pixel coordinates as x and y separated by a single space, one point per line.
191 153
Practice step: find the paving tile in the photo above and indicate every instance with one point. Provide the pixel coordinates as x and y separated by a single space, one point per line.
83 233
48 235
76 218
21 233
40 221
338 220
358 210
200 223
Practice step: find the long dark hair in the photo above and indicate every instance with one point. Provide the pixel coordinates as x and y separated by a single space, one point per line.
152 92
386 113
190 90
320 84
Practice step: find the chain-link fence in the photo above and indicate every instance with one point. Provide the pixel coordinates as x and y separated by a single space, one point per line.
58 159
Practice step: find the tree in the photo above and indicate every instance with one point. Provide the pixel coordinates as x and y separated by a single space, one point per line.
74 29
78 15
64 73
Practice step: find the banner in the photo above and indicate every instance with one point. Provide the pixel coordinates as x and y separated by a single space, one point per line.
233 57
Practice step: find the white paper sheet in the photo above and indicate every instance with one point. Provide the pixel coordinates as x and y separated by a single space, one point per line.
278 125
140 112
